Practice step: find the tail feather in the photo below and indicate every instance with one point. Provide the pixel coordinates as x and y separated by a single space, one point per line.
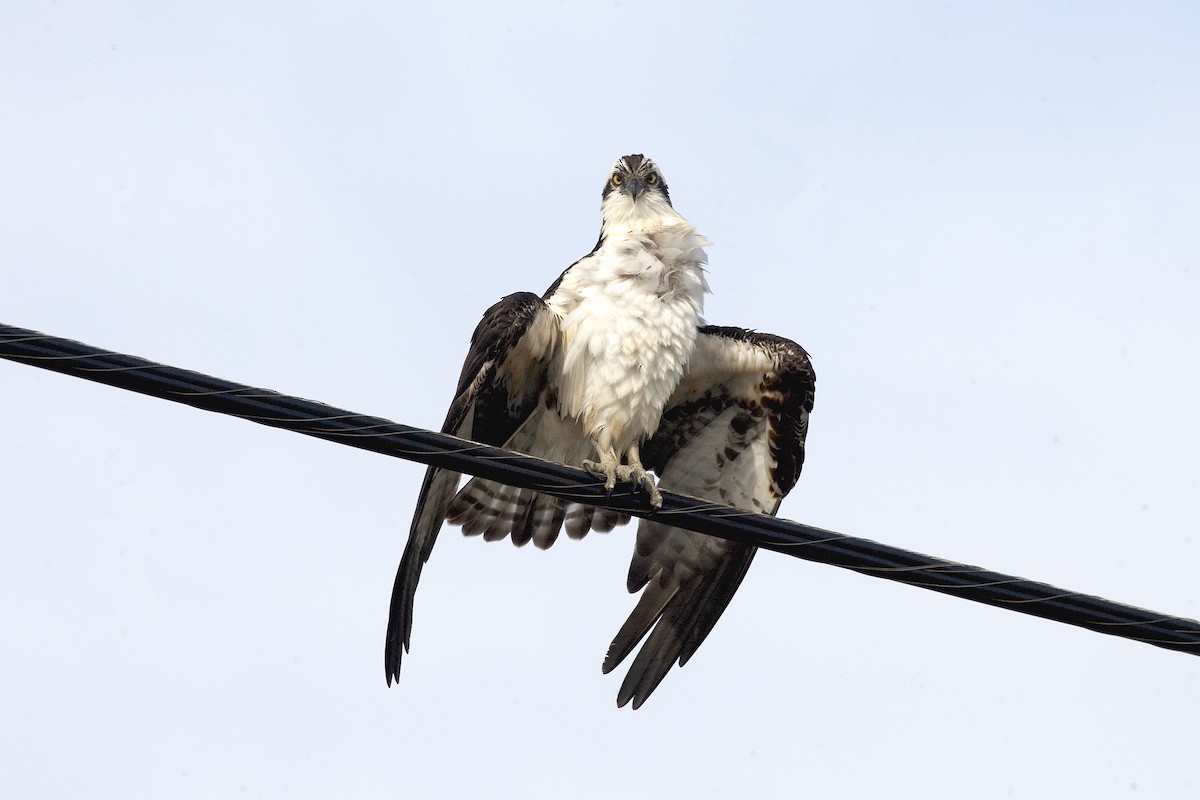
579 520
476 506
519 509
516 506
546 520
488 508
524 512
606 519
497 511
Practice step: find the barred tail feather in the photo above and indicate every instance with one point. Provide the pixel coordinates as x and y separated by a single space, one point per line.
545 520
579 520
606 519
496 511
477 505
518 503
582 518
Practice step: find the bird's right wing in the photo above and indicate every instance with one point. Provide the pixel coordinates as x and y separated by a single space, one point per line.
733 432
500 386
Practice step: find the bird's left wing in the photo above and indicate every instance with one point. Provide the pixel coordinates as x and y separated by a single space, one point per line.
733 432
500 385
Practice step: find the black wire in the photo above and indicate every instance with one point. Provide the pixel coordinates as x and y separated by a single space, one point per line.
428 447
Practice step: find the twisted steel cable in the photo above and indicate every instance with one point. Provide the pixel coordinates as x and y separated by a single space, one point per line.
379 435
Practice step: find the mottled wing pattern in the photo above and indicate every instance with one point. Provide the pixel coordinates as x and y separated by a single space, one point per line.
733 432
499 388
495 510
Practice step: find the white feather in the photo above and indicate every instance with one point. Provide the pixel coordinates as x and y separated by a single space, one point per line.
626 319
629 314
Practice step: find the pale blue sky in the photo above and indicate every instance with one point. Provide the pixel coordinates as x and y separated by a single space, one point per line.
983 221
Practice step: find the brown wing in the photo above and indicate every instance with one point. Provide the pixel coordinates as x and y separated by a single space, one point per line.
733 432
500 386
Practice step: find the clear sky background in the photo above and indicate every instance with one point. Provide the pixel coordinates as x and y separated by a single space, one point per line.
983 221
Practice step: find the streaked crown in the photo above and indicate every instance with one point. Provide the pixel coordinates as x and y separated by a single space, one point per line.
635 175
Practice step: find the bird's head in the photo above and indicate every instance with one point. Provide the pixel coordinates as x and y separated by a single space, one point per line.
635 193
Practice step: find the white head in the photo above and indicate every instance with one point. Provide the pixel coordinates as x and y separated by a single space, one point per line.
635 196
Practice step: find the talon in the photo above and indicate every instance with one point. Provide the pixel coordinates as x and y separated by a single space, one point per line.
602 470
609 468
640 478
652 490
638 475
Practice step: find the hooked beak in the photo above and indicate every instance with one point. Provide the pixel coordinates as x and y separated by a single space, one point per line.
635 187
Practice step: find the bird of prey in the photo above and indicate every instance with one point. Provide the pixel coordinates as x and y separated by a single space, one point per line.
613 369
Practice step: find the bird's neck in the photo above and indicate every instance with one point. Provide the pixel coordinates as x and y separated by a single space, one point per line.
649 214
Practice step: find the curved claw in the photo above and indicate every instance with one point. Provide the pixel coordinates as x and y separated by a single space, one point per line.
637 475
652 490
609 468
602 469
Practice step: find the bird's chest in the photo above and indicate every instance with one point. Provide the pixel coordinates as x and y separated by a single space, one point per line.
629 330
635 305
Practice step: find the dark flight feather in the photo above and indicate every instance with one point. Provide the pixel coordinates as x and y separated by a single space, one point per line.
733 432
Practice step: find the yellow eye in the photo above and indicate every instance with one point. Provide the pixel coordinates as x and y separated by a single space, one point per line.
616 180
652 178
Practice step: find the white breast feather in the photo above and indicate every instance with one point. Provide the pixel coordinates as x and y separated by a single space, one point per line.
629 314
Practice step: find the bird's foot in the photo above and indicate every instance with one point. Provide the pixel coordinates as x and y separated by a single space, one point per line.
612 470
637 475
604 469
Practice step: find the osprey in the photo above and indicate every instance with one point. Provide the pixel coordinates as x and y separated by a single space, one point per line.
612 369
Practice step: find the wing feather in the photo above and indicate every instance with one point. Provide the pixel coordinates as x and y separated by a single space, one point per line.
500 386
732 432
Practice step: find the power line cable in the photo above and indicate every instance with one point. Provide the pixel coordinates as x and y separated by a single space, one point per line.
379 435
